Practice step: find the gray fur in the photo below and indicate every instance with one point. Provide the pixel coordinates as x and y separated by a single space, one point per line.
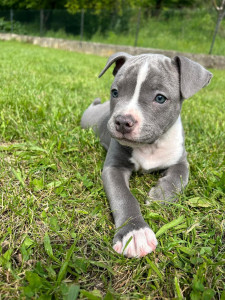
176 79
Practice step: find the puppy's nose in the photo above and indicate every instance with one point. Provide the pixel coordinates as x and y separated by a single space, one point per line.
124 123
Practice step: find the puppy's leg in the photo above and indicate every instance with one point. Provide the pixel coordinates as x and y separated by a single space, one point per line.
175 178
96 116
133 238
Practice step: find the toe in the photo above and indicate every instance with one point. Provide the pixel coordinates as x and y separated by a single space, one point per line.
129 245
151 238
118 247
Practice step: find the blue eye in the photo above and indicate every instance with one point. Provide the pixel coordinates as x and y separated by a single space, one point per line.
114 93
160 99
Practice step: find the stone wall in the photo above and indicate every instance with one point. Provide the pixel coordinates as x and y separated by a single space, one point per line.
208 61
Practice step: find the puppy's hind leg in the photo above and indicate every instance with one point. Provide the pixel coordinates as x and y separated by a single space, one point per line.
96 116
90 118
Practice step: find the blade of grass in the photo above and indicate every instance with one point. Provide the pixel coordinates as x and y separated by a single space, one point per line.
169 225
48 248
177 287
64 266
154 268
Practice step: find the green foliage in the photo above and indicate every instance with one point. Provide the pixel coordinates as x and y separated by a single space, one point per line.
56 228
6 26
181 30
74 6
33 4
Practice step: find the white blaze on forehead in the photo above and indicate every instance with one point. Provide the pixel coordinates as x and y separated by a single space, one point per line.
133 108
142 74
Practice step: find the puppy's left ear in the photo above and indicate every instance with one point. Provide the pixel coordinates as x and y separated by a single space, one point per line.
119 58
193 77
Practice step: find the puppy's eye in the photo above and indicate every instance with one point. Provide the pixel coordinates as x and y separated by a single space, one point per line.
160 99
114 93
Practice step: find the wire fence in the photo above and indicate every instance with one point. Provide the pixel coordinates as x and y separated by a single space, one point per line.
182 30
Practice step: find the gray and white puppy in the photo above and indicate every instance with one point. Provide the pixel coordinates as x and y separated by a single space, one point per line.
141 129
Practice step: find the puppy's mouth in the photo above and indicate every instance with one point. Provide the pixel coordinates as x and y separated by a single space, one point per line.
126 140
129 143
134 138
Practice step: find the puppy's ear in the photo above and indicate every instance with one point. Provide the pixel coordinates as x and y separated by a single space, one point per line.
193 76
119 58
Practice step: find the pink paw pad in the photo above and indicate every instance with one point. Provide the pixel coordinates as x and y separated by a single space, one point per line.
118 247
137 243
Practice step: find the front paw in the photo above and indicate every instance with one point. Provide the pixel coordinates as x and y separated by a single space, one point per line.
136 243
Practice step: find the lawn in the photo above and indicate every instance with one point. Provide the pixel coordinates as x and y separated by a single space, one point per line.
56 228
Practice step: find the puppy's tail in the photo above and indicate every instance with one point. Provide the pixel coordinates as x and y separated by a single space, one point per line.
96 101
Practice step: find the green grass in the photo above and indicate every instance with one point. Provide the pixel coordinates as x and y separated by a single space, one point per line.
56 228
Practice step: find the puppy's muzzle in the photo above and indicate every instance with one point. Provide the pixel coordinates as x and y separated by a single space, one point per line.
125 123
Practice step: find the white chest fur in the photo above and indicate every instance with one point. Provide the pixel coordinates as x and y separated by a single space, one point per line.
165 152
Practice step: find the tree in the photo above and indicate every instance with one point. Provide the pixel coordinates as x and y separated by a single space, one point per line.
45 6
221 13
33 4
74 6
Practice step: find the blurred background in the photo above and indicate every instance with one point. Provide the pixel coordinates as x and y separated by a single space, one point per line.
194 26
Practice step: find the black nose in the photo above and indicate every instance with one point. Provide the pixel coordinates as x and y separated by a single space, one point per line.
124 124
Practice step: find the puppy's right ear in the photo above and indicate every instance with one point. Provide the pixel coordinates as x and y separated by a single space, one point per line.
193 76
119 58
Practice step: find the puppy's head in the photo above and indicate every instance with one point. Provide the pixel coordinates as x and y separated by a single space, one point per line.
147 94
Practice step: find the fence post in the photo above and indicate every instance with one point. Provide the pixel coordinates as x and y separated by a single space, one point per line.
11 19
82 26
219 20
41 21
138 26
